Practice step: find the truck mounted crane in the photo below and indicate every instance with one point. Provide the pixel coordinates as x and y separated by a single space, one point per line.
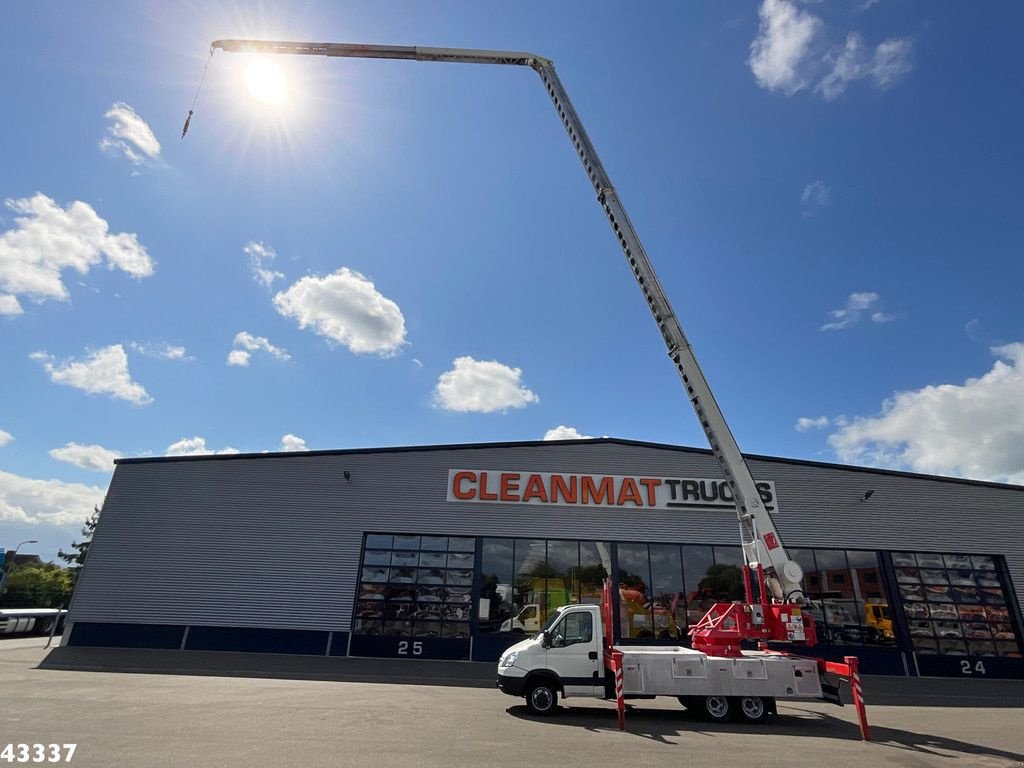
773 613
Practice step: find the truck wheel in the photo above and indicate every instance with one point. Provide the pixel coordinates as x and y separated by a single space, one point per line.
43 627
752 709
542 699
717 709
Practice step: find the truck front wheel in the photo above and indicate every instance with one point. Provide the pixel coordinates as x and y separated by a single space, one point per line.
541 698
717 709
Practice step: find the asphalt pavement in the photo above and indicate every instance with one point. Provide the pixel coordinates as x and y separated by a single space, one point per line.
136 720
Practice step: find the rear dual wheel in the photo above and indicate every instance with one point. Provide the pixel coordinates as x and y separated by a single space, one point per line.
720 709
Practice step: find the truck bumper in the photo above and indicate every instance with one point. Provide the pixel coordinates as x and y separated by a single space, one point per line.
513 686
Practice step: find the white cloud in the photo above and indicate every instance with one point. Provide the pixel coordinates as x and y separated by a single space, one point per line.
9 305
562 432
94 457
5 438
47 239
129 135
103 372
260 258
239 357
50 502
782 45
787 54
245 344
803 424
857 304
161 350
884 66
972 329
481 386
815 197
195 446
345 307
975 429
892 58
292 442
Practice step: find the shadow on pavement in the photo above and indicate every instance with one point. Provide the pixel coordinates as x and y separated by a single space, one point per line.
668 726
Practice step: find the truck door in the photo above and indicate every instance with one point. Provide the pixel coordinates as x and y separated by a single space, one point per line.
575 656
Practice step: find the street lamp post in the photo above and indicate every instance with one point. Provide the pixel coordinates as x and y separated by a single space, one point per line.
7 568
759 538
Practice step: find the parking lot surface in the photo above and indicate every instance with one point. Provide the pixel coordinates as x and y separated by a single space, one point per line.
137 720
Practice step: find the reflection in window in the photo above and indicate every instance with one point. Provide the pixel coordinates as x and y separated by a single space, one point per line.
668 598
415 586
957 606
635 614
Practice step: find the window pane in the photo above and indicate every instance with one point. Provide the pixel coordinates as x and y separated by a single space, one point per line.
371 557
530 579
495 606
378 541
407 542
595 567
669 601
696 563
434 543
461 544
724 579
563 562
635 616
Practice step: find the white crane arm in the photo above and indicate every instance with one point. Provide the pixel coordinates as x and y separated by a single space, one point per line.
761 542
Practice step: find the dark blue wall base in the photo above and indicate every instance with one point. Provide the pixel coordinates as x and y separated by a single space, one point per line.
248 640
103 635
872 661
490 647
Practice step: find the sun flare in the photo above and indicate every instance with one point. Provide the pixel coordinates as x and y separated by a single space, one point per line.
266 81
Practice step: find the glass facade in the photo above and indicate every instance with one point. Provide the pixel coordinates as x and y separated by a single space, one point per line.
422 586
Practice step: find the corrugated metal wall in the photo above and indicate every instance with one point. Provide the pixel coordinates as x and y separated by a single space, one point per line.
273 541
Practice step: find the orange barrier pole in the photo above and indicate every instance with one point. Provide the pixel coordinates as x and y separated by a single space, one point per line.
858 697
620 701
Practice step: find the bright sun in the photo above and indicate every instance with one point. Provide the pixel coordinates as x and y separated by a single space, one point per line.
266 81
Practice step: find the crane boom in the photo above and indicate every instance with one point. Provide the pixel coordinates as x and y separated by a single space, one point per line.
762 545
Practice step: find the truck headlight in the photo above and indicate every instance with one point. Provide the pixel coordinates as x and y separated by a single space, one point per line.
508 660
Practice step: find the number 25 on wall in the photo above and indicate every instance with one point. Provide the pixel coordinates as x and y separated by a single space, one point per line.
966 669
417 649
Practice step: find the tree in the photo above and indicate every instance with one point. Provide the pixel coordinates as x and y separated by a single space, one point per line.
37 585
80 549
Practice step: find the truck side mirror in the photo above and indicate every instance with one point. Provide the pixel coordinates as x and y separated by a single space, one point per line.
545 640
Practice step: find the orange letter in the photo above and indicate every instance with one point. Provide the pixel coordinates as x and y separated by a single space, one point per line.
650 483
457 491
509 486
484 495
605 493
558 486
535 489
629 492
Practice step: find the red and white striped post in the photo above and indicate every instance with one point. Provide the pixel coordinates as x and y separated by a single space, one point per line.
858 697
620 701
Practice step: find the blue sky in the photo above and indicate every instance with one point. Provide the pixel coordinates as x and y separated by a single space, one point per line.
409 253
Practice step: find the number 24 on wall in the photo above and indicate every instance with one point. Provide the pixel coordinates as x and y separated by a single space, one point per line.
417 648
965 667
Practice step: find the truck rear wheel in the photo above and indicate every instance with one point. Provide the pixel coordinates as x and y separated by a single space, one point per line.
752 709
717 709
542 698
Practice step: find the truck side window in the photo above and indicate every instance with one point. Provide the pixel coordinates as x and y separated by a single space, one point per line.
575 628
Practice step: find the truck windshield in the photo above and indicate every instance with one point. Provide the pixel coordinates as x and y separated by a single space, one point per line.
552 620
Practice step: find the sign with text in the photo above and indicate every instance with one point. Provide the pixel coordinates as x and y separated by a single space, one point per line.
502 486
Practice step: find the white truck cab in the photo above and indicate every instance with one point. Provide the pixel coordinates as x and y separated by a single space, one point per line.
564 656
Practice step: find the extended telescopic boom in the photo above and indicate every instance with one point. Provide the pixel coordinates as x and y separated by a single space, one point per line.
761 542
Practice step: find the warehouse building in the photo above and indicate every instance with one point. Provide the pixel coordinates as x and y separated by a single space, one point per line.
454 552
